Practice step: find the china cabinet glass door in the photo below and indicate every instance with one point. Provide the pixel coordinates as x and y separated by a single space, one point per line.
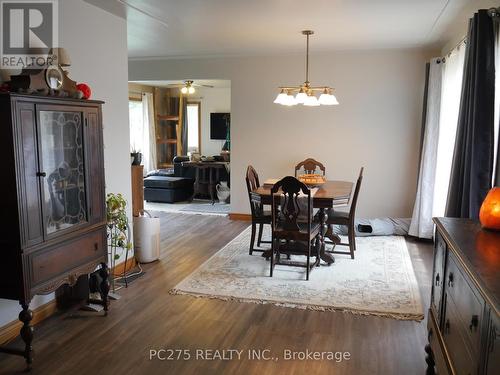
62 162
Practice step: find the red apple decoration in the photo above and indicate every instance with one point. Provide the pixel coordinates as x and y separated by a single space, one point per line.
85 89
489 214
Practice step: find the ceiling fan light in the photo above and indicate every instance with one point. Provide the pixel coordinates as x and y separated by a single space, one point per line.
301 97
191 90
311 101
184 90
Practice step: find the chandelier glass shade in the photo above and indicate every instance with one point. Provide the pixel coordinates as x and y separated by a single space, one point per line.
305 94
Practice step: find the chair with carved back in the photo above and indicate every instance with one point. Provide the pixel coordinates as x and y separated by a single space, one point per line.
293 230
309 166
347 219
259 216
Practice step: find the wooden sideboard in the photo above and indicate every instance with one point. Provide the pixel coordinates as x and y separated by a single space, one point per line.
463 318
137 189
53 216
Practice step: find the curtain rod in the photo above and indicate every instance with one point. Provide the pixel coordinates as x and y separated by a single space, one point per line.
447 54
492 12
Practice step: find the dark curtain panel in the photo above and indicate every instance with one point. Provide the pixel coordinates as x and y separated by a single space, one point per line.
424 111
496 21
473 157
184 132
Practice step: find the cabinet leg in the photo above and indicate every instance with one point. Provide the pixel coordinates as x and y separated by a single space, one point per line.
104 273
25 317
429 359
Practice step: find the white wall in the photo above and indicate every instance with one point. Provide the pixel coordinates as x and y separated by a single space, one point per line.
217 99
97 44
377 124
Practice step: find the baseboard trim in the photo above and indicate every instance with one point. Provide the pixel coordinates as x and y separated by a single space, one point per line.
11 330
240 217
121 267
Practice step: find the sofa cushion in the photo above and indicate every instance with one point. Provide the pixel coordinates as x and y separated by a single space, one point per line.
166 172
163 182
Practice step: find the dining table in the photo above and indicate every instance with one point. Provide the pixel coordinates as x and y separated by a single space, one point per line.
331 194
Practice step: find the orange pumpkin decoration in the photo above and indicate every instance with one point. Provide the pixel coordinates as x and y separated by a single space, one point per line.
489 214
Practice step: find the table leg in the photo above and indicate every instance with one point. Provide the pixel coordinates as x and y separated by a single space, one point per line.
211 184
196 187
326 257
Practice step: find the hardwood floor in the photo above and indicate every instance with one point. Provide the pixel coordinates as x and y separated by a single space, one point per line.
148 317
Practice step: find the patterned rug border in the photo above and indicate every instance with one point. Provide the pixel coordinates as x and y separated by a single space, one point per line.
312 307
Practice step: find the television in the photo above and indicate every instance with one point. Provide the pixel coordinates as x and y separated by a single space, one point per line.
219 123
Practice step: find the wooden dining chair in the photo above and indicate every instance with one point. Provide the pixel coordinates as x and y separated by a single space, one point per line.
347 219
309 166
259 216
293 229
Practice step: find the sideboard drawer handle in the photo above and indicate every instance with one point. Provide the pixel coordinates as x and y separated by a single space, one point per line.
437 280
474 322
450 280
41 174
447 326
96 246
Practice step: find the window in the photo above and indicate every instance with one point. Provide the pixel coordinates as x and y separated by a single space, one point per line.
193 124
136 117
142 129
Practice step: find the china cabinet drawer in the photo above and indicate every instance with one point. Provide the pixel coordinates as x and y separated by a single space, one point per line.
49 263
469 307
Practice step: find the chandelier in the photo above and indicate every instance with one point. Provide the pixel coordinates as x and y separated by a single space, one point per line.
305 93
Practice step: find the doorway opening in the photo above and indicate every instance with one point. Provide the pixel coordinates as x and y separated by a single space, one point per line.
186 134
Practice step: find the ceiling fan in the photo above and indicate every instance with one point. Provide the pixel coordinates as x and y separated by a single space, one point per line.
188 86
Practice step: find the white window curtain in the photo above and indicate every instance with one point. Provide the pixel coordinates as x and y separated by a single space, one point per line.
443 103
421 223
149 134
453 69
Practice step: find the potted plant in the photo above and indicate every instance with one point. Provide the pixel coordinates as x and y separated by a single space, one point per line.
118 228
135 156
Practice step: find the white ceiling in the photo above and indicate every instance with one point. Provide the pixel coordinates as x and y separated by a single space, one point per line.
191 28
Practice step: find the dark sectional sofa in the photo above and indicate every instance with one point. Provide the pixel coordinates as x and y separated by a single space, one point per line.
170 186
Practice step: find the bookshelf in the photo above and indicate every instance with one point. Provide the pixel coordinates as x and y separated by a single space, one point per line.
168 133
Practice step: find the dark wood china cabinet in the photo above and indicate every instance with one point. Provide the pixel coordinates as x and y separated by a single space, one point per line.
53 215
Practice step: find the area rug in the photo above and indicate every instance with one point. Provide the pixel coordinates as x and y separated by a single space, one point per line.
379 281
207 208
